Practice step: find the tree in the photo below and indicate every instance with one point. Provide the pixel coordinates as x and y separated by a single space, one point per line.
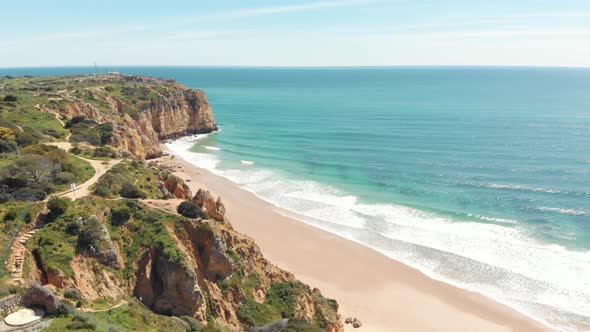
7 134
37 168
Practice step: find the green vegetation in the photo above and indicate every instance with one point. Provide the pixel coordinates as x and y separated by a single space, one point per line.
190 210
38 170
129 179
128 317
99 153
90 131
58 206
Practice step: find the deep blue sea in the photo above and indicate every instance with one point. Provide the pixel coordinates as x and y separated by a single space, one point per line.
476 176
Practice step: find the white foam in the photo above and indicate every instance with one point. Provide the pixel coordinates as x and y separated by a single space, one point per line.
492 219
212 148
499 261
572 212
247 162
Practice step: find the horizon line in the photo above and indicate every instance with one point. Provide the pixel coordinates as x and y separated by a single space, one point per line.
301 67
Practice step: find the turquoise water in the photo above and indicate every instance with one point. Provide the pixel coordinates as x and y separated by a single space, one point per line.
476 176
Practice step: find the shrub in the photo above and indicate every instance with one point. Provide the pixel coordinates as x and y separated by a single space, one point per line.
75 150
193 324
90 234
253 313
8 146
25 139
7 134
10 98
190 210
120 215
73 228
283 296
10 215
104 151
129 190
80 323
105 132
29 194
300 325
58 206
72 294
64 177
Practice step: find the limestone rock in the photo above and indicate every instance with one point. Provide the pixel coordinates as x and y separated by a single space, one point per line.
215 209
41 297
95 239
177 187
348 320
356 323
167 287
138 126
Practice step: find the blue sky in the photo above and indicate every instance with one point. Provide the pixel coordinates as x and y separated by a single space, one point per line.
295 32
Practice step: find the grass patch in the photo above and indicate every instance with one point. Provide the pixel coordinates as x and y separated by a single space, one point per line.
128 317
131 179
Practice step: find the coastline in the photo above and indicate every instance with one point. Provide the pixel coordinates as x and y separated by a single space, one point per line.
384 294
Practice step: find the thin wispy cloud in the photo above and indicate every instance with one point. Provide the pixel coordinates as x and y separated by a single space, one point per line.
273 10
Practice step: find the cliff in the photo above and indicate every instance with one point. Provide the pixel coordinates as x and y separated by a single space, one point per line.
141 110
177 266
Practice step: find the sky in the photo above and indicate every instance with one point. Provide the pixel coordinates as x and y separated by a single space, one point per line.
295 33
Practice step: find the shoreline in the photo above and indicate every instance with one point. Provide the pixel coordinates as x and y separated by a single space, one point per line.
386 295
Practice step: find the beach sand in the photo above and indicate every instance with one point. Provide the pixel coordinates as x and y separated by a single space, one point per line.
384 294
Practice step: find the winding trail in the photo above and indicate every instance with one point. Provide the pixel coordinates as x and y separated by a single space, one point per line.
86 310
15 261
100 168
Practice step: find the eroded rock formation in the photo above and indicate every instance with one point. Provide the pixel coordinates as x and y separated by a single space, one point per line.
215 209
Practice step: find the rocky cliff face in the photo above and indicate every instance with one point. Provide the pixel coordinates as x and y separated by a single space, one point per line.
186 267
142 110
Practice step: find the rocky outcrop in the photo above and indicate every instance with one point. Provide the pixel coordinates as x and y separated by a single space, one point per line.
167 287
176 187
215 209
162 110
39 296
95 240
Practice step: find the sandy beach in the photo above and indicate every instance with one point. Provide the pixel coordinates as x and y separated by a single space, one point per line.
384 294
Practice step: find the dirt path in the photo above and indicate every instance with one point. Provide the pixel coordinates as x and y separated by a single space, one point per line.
100 167
104 310
18 251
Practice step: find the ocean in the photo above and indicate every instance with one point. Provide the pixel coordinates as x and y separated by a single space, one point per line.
479 177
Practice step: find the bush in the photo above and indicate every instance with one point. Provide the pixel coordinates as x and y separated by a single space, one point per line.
64 177
300 325
80 323
120 215
90 234
25 139
10 98
190 210
58 206
105 132
7 134
104 151
253 313
72 294
75 150
73 228
10 215
193 324
29 194
128 190
8 146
